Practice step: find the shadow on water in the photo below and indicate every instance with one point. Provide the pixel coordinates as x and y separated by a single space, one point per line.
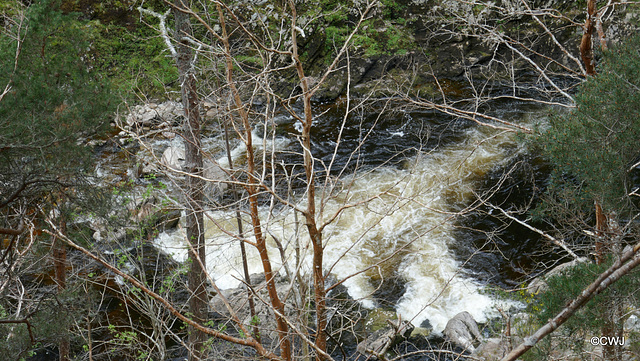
493 248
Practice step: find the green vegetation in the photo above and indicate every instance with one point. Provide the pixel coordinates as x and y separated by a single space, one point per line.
74 69
56 101
594 147
567 286
590 319
53 88
137 61
383 34
122 49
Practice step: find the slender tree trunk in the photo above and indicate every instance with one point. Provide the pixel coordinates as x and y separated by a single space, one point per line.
198 301
586 46
252 191
310 213
243 251
601 234
606 244
59 251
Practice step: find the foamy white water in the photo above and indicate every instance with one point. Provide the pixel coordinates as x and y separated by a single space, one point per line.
408 224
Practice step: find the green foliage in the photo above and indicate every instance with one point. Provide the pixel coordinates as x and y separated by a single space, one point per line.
137 61
565 287
124 50
375 38
50 320
55 97
9 7
384 34
594 146
392 8
128 340
334 11
477 9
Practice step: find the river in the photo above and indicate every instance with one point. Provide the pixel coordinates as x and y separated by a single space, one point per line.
419 171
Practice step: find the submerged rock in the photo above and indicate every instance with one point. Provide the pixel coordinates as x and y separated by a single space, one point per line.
378 319
425 329
378 343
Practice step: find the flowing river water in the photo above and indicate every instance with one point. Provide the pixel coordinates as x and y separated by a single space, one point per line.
410 183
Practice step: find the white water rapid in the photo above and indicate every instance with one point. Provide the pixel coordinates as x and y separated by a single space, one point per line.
409 222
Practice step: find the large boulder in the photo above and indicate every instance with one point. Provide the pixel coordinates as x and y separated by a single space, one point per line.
173 157
217 177
632 324
462 330
492 349
152 114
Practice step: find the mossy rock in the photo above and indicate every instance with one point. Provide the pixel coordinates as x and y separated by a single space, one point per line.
377 319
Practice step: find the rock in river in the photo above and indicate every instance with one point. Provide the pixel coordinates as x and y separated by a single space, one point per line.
462 330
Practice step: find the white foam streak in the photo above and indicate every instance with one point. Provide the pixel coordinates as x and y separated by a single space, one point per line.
410 223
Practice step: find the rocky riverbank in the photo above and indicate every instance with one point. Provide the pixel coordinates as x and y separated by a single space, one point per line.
496 42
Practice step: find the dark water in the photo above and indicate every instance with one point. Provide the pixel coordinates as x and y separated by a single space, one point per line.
495 249
387 135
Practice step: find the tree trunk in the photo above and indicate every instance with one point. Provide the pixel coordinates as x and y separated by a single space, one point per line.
252 191
310 213
601 234
611 309
198 301
243 251
319 289
586 47
59 251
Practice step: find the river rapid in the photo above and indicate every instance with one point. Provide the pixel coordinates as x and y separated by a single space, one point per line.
411 179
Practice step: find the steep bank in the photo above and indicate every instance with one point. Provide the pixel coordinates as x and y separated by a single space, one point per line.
402 47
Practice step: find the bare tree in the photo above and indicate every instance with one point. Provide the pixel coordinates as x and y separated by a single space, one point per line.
194 168
519 50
